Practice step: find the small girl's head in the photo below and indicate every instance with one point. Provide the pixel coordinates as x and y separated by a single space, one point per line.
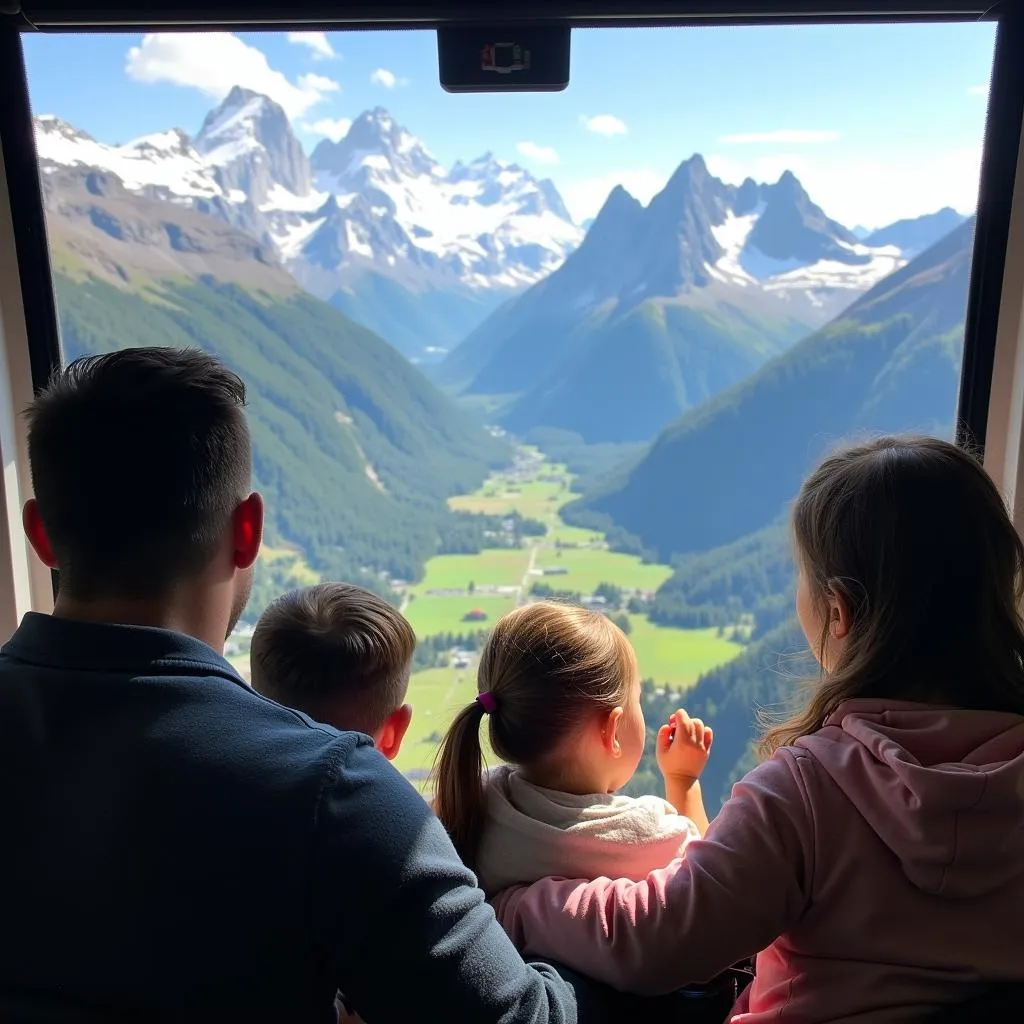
563 690
910 581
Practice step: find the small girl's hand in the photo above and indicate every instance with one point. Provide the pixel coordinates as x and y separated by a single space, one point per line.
683 747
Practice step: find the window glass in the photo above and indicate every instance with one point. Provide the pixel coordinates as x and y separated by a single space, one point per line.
502 347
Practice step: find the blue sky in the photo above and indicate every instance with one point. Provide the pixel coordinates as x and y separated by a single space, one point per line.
879 122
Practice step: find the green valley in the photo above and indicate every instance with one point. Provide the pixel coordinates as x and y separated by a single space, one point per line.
461 596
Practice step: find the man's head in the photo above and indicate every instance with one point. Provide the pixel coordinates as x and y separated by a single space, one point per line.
342 655
141 468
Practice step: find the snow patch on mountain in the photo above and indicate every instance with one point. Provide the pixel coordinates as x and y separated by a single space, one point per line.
165 161
491 223
821 284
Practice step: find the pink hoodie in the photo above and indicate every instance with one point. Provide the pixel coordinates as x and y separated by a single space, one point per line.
878 864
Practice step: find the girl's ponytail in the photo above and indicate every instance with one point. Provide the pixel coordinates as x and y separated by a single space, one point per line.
544 669
460 797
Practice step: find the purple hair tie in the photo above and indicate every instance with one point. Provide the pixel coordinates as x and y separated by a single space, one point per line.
487 702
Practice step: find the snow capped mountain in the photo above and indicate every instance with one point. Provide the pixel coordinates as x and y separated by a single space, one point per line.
489 223
664 306
165 164
374 219
250 142
375 203
765 243
914 236
775 238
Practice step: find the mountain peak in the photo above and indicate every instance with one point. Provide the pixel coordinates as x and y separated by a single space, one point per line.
913 235
174 140
375 148
612 230
619 197
239 96
50 124
378 131
789 185
249 138
692 183
793 228
241 106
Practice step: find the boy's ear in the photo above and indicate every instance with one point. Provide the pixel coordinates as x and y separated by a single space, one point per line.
393 732
610 732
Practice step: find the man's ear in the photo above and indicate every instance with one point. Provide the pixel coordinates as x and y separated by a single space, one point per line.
247 527
395 728
36 533
610 732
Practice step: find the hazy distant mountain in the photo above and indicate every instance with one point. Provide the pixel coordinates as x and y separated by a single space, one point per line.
662 307
916 234
890 363
370 219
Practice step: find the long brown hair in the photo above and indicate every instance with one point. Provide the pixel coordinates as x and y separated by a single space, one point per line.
914 536
546 666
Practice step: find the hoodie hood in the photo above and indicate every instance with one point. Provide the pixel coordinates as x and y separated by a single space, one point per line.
942 788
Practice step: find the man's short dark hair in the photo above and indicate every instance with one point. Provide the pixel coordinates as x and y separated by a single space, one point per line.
138 458
337 652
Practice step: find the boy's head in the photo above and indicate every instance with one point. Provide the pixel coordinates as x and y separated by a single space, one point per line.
342 655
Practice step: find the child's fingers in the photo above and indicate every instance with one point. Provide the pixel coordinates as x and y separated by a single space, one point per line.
665 737
686 725
709 737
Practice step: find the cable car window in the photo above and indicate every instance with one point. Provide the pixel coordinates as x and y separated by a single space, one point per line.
578 345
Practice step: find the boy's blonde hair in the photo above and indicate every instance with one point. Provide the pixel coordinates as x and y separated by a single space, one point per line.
544 669
337 652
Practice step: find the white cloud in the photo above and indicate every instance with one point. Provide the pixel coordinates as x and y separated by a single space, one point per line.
605 124
318 83
383 77
978 90
585 197
213 62
539 154
869 192
317 42
783 137
333 128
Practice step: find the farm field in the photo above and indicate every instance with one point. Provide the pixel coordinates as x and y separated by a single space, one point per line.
432 615
586 568
674 660
491 567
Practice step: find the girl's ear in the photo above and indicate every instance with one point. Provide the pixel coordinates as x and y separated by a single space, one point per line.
610 732
839 619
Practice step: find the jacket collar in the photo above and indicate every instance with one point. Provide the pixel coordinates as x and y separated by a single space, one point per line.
107 647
